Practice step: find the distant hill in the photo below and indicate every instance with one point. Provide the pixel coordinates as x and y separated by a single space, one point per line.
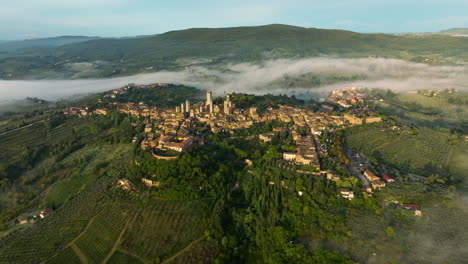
455 31
31 44
208 46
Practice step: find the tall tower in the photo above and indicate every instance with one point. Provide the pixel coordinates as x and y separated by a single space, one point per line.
187 106
182 108
227 105
209 98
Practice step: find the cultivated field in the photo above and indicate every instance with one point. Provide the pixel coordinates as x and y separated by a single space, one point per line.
419 150
104 224
164 228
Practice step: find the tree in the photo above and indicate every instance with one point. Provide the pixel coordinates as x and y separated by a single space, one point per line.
278 247
3 175
390 231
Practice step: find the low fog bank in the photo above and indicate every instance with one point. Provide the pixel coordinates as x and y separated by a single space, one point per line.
258 78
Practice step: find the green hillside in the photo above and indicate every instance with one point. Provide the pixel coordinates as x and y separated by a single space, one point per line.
207 46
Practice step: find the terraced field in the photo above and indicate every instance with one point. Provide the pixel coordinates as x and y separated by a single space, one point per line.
48 237
14 143
97 242
163 229
202 251
122 258
80 177
68 255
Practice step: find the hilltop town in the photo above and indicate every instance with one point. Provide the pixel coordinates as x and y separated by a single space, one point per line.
169 131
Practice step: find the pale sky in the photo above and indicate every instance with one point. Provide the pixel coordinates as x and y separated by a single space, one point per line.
21 19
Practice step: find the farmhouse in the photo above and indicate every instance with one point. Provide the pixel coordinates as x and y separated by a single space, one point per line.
370 175
126 184
80 111
150 183
378 184
388 178
45 213
289 156
346 193
415 207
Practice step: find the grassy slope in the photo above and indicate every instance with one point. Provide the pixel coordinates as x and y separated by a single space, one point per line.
128 56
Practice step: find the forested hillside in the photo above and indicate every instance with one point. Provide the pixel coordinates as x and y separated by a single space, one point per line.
171 50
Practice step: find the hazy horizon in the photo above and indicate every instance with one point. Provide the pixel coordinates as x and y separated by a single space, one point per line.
107 18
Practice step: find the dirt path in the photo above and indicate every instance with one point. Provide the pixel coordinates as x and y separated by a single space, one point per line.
16 129
82 232
79 253
75 239
117 242
183 250
132 254
449 157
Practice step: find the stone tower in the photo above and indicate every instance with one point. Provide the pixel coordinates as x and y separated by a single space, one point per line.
187 106
209 100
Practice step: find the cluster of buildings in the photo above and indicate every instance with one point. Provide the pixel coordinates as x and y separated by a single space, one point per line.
123 90
169 131
348 97
79 111
306 151
34 216
83 111
175 129
375 181
353 97
355 120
